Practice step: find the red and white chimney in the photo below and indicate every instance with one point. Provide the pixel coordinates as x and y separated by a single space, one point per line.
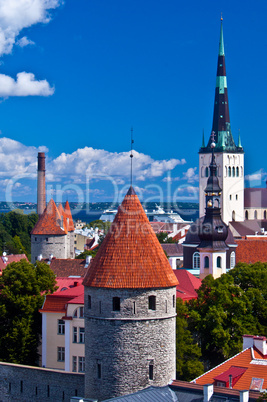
41 201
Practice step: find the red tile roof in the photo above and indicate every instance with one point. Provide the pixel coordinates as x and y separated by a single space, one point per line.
69 217
188 284
254 363
57 302
67 283
54 220
172 249
5 260
251 250
68 267
130 255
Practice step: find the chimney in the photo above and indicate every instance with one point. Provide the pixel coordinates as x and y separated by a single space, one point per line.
208 392
230 381
260 344
243 396
41 201
247 341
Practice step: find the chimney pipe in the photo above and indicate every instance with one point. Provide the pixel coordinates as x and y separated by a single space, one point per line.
41 201
230 380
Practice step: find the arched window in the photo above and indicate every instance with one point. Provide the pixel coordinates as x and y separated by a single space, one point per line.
206 262
232 260
237 171
207 172
219 262
229 171
265 214
216 203
233 216
79 313
255 214
196 260
233 171
246 214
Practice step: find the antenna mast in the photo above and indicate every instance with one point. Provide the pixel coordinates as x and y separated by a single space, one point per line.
131 156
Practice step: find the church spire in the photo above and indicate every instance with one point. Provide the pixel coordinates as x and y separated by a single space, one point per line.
221 118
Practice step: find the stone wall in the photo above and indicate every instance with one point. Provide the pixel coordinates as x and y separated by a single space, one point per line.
46 245
25 383
121 345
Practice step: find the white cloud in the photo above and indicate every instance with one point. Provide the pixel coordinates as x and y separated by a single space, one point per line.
25 85
24 41
190 175
16 15
99 164
256 176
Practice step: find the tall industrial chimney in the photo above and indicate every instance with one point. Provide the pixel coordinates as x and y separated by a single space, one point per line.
41 201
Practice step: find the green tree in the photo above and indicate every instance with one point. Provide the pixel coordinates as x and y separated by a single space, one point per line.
22 290
226 309
163 238
85 253
188 353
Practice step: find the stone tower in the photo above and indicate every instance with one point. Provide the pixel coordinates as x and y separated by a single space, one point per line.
53 234
130 309
212 232
229 157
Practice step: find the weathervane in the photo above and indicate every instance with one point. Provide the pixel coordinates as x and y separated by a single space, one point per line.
131 156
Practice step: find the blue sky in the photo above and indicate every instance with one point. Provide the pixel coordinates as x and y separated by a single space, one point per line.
89 70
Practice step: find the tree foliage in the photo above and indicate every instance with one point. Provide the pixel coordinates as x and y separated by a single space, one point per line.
227 308
188 353
163 238
22 290
15 229
85 253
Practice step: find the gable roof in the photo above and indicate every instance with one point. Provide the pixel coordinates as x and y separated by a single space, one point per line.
172 249
188 284
250 359
54 220
251 250
68 267
7 259
58 301
130 255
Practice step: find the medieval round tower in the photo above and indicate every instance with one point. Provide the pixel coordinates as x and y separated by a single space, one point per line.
130 309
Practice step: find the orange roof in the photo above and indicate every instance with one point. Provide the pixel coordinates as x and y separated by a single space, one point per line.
130 255
254 362
69 217
54 220
68 267
251 250
57 302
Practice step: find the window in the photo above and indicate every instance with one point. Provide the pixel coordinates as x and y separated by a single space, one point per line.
81 335
237 171
81 312
152 302
236 196
100 307
99 373
116 304
173 301
60 327
230 196
232 260
206 262
246 215
74 335
233 171
74 363
134 307
229 171
89 302
60 354
35 238
75 314
196 260
151 369
207 172
81 364
219 262
255 214
233 216
264 214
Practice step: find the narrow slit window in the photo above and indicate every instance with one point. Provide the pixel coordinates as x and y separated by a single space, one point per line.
116 304
152 302
151 372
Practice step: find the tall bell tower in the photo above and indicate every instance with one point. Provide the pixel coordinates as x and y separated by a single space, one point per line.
229 156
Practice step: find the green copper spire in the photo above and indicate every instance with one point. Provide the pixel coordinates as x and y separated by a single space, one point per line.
239 140
221 44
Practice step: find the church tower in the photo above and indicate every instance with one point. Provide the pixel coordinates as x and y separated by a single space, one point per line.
130 309
212 231
229 156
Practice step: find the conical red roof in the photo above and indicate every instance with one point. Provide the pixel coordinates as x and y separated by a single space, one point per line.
49 222
130 255
69 217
